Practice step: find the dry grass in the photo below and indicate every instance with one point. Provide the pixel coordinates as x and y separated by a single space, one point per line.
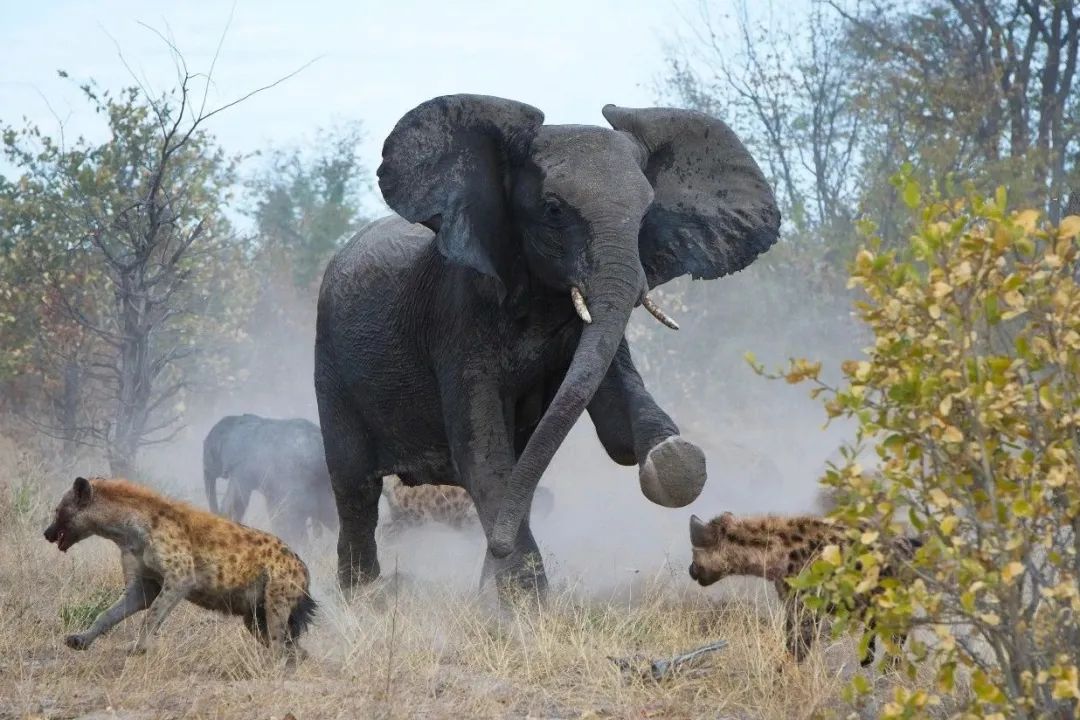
399 650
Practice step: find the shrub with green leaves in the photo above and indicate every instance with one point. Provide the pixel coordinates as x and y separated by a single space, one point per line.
970 396
79 615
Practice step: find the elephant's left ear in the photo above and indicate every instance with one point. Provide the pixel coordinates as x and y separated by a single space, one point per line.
445 165
713 211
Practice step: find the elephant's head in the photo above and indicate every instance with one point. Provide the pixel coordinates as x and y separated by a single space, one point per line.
598 215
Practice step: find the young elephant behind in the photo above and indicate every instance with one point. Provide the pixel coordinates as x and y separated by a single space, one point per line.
774 548
172 551
282 460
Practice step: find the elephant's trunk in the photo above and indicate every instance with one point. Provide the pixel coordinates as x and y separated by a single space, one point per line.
611 297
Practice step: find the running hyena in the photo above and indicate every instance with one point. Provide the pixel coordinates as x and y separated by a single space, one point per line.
172 551
774 548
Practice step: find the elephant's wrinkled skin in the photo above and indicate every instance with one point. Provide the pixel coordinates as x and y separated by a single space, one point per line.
451 350
283 460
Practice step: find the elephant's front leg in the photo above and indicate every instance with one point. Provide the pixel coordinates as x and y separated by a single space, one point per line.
636 431
483 457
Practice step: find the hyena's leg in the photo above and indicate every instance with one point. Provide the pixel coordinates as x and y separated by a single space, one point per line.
173 590
278 601
893 661
138 595
255 621
800 628
871 646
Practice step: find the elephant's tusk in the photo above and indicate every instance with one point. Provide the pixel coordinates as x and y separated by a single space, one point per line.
657 313
580 306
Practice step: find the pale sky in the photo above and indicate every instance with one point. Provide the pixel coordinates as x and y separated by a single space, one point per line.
378 59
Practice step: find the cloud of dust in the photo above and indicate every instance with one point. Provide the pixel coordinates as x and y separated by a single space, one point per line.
764 442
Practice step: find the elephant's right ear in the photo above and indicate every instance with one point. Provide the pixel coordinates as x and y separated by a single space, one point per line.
713 211
445 165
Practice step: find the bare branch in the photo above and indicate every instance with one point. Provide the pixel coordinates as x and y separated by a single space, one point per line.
258 90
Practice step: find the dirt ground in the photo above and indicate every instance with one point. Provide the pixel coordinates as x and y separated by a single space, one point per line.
405 648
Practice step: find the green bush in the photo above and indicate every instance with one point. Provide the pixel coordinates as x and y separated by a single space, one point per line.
78 615
969 396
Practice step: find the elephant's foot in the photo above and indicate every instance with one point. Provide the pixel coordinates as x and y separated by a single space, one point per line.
352 576
519 580
673 474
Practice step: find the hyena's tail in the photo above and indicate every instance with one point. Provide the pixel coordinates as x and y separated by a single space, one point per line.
301 615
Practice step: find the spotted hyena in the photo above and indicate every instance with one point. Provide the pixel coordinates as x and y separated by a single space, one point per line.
774 548
415 505
172 551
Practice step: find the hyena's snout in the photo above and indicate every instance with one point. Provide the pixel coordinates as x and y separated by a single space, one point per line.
56 533
51 533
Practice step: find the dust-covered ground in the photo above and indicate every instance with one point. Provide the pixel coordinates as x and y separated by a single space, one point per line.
424 642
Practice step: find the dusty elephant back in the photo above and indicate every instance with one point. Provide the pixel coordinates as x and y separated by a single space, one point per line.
267 442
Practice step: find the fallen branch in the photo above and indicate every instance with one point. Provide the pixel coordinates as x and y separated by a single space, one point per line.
657 670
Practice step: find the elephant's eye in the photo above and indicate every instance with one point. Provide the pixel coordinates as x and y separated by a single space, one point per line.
553 210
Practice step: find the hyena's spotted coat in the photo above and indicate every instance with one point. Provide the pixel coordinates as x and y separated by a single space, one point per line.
412 506
172 551
415 505
774 548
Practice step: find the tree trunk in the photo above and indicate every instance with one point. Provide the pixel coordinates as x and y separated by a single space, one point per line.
134 391
67 409
1073 207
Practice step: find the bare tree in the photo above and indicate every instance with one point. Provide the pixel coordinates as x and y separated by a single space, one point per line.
991 80
1073 208
786 88
147 208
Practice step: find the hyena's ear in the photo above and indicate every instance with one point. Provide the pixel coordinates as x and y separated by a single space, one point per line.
84 491
701 534
724 523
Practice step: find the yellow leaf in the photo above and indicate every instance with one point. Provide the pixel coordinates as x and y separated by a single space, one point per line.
1055 477
1014 299
1069 228
952 434
938 498
945 407
948 524
831 555
868 583
1027 219
1011 571
1064 689
869 537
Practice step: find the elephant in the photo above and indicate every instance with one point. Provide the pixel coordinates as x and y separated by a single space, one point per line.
281 459
458 340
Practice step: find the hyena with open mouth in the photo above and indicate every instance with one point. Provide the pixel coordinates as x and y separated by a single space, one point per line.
172 551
